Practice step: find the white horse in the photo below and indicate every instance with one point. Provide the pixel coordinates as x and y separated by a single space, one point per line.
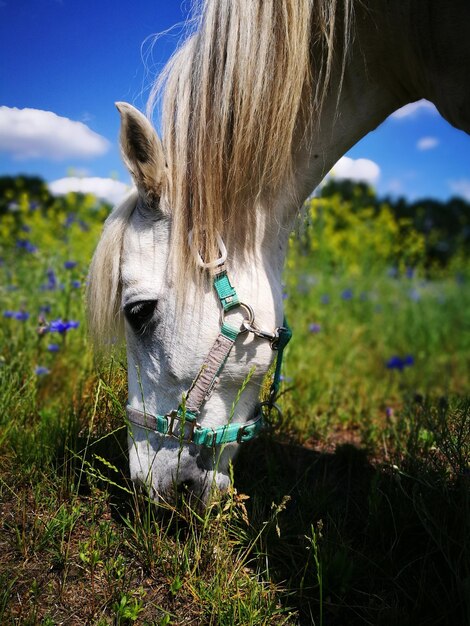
258 104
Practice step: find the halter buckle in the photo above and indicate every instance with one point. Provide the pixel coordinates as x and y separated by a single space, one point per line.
191 424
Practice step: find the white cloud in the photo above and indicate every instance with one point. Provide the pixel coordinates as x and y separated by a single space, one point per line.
108 189
413 109
363 170
427 143
461 187
36 134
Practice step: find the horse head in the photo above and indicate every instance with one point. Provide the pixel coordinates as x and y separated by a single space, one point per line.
190 351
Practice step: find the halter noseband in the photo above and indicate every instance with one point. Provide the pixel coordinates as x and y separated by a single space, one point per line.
185 416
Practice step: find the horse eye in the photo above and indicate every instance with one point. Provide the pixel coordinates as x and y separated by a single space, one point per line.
140 314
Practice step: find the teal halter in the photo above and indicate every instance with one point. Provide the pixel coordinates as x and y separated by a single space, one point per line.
182 423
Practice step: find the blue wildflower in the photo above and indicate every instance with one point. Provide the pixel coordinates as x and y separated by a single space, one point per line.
8 314
71 218
33 206
69 265
25 244
45 308
76 284
21 316
51 284
398 363
389 411
25 228
41 370
347 294
408 360
53 347
325 299
314 328
409 272
395 363
59 326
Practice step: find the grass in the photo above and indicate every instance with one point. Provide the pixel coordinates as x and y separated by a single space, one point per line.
353 509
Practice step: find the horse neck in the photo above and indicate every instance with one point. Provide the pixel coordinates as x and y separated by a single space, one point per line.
386 68
372 88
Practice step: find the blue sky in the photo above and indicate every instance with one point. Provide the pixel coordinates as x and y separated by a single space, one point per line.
75 58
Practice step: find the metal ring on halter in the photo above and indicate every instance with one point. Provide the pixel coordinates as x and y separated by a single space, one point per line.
210 264
270 406
248 320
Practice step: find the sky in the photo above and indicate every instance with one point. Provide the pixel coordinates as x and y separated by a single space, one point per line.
63 64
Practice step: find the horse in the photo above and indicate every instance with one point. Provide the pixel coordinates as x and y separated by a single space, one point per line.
258 103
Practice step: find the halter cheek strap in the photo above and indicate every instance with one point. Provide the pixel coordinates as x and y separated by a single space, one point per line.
182 423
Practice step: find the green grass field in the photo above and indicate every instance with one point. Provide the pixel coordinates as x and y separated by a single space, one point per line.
352 509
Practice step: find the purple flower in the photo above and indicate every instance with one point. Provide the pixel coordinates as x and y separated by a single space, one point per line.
53 347
314 328
76 284
408 360
325 299
398 363
41 370
45 308
69 265
71 218
59 326
389 411
8 314
21 316
25 228
51 284
409 272
26 245
347 294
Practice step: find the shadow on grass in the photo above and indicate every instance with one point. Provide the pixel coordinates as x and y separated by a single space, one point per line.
355 542
359 544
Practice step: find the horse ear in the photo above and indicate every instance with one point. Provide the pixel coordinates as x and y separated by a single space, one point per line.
142 152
